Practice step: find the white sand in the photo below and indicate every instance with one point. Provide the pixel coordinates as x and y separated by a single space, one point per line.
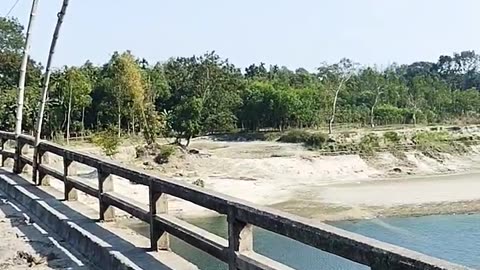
289 177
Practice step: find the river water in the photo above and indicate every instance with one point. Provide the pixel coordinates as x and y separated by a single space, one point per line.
451 237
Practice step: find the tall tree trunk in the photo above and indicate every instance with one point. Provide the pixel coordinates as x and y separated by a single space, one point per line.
69 114
46 81
83 123
119 120
133 123
334 107
372 109
23 69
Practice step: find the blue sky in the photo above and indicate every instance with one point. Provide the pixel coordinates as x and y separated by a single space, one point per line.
295 33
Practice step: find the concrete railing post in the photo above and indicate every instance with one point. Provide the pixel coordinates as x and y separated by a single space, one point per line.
41 158
2 148
240 238
159 240
69 191
105 184
18 166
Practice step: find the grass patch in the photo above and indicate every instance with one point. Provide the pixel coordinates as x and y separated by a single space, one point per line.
391 138
431 143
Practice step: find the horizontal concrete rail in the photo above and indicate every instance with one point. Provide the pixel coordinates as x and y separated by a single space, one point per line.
237 250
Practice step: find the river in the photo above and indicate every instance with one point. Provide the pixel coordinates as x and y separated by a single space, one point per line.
451 237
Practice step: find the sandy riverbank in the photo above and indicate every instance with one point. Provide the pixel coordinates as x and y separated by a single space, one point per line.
291 178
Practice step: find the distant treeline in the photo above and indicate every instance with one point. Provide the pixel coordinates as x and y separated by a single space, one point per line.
189 96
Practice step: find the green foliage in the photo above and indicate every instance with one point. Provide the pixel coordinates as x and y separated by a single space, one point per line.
391 137
369 144
164 154
108 141
434 142
11 36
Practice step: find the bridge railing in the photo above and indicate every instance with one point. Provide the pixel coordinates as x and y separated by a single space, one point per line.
237 250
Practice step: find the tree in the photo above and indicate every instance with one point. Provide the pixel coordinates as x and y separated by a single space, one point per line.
371 85
335 77
76 88
204 94
129 88
12 39
416 94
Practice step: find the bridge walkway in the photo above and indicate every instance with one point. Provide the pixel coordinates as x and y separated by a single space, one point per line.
77 228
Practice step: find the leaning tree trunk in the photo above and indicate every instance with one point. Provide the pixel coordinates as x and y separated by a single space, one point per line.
46 80
23 70
334 107
69 114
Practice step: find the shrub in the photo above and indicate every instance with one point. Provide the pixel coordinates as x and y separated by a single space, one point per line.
391 137
295 136
316 140
108 141
165 152
369 143
312 140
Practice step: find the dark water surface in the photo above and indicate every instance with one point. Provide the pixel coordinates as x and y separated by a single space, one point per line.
452 237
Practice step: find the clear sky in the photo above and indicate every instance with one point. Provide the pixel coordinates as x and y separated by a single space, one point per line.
295 33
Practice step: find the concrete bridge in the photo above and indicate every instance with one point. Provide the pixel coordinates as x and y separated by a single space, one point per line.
92 234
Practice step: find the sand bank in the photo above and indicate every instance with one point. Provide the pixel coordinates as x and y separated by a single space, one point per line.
291 178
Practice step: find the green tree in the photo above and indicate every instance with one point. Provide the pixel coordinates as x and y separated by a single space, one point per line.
75 87
12 39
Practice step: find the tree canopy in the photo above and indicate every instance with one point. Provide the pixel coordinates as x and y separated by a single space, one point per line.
186 97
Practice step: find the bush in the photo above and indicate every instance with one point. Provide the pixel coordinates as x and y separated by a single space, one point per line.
295 136
391 137
312 140
369 143
108 141
316 140
165 152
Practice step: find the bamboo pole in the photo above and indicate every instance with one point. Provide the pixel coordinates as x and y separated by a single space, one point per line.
46 81
23 69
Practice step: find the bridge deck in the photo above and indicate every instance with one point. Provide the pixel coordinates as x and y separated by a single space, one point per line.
70 218
25 243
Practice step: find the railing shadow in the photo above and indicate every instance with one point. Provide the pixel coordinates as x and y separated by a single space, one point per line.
110 241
